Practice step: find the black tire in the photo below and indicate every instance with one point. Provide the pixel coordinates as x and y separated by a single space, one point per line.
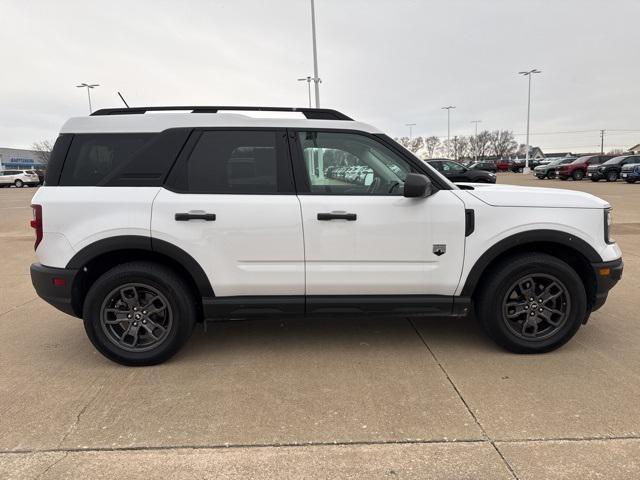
577 175
612 176
595 179
551 174
630 181
180 313
19 183
492 301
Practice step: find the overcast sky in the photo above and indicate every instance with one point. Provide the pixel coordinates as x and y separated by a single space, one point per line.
385 62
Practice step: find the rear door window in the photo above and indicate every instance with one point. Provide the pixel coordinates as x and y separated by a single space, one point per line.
92 157
235 162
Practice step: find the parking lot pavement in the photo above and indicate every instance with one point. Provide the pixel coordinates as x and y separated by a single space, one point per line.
367 398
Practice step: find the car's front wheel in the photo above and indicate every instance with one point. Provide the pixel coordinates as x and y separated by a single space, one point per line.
578 175
551 174
531 303
612 176
19 183
139 313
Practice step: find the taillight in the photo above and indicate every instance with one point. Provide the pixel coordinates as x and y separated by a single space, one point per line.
36 223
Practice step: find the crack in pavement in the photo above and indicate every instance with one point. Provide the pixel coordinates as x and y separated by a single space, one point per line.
53 464
75 424
464 402
232 446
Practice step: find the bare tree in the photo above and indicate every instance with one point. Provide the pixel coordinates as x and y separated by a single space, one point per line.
617 151
431 144
404 141
502 143
480 144
416 144
43 150
461 147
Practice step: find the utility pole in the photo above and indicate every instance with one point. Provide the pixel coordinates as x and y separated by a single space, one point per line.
316 79
528 74
455 147
601 142
308 80
410 125
89 87
475 140
448 109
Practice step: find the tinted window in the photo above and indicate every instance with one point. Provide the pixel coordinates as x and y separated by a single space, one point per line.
242 162
92 157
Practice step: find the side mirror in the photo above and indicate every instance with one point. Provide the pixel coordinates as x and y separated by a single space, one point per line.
417 185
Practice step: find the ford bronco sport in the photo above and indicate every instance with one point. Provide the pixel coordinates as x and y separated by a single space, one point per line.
148 223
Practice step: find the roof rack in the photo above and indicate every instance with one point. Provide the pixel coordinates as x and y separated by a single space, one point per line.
310 113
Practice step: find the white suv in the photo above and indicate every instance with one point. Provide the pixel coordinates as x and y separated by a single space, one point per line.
148 223
19 178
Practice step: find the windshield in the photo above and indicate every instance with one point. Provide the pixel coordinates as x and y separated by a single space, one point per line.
614 160
581 159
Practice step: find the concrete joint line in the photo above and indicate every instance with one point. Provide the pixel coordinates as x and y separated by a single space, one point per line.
464 402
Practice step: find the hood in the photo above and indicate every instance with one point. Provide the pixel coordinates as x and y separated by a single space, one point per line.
516 196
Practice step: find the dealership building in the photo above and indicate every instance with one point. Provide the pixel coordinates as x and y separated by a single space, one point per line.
20 159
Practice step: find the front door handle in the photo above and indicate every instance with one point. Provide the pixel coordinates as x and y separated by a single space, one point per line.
185 217
338 216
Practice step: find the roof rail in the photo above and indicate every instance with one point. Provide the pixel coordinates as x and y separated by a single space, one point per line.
310 113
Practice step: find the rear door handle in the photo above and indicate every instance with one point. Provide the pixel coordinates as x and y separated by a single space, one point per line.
338 216
185 217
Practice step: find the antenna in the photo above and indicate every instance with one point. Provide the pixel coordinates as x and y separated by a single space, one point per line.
123 100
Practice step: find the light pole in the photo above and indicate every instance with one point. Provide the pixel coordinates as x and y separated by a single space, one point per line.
308 80
602 142
475 140
528 74
448 109
316 78
410 125
88 87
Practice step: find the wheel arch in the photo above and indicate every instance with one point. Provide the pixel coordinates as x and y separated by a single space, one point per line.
568 248
98 257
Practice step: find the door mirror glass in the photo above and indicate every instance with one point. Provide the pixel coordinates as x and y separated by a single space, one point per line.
417 185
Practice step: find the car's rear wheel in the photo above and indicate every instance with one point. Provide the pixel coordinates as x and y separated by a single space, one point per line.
612 176
19 183
532 303
139 313
577 175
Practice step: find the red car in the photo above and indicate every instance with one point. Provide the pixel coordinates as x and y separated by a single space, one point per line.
504 165
578 168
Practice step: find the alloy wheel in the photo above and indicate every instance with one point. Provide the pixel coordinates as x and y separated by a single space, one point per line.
136 317
536 306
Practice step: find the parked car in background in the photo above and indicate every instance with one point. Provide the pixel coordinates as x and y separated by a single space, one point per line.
611 169
504 165
631 172
40 174
457 172
578 168
550 170
19 178
486 166
518 165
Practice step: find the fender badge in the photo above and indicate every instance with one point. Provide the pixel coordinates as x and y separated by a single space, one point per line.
439 249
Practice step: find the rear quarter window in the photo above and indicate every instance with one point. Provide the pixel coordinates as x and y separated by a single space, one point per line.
92 157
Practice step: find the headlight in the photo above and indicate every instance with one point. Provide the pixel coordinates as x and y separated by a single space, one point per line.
608 220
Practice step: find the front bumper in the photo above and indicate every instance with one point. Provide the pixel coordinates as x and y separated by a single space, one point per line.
55 286
595 175
607 275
